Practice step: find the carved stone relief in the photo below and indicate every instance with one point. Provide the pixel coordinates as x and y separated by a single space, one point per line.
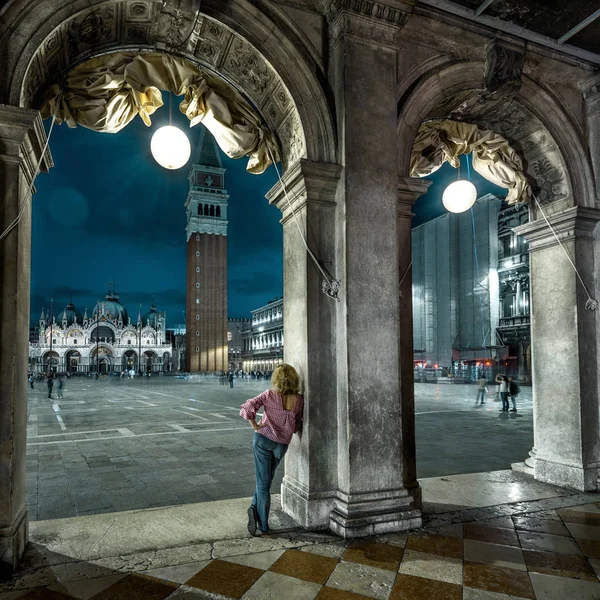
118 25
503 69
542 160
376 10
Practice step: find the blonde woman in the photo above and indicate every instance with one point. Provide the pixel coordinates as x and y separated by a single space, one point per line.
282 417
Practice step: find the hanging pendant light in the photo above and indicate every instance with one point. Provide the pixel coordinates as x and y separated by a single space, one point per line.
170 147
459 196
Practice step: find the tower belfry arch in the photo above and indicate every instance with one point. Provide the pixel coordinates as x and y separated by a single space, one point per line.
206 287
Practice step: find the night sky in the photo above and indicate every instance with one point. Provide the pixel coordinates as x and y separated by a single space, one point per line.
108 212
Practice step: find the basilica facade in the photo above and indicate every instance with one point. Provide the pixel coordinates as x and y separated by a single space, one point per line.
105 342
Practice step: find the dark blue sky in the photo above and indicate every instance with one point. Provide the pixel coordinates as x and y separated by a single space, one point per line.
108 211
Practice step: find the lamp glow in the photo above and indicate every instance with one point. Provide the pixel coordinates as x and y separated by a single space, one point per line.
459 196
170 147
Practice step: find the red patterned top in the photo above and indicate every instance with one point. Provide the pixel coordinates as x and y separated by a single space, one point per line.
279 424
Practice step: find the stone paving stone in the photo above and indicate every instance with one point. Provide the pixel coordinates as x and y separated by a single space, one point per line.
436 544
369 581
225 578
498 579
541 525
493 535
408 587
276 585
548 587
328 593
562 565
494 554
137 587
548 543
431 566
373 554
305 566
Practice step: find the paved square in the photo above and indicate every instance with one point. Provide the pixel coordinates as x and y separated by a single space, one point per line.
119 444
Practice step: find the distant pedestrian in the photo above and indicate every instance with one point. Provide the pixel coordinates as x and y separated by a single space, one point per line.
501 379
513 390
50 384
230 379
282 417
59 385
481 390
31 379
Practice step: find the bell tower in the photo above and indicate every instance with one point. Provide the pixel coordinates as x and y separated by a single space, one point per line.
206 299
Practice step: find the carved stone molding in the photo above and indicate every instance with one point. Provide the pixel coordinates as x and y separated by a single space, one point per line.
366 8
503 69
591 92
374 23
172 26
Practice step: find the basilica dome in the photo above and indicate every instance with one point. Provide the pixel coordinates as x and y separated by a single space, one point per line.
71 315
151 318
111 308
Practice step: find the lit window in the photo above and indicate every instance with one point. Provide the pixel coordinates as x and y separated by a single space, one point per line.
197 349
229 336
197 333
197 300
197 317
197 285
197 253
197 269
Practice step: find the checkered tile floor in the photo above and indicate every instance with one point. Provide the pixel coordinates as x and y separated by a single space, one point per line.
548 555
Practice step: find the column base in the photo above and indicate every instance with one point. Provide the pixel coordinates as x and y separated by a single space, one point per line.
584 479
416 492
310 510
363 515
13 540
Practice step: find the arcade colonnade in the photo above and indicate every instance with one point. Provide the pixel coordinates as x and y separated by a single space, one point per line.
345 87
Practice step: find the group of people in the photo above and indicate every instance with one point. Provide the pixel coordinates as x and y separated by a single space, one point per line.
51 378
508 387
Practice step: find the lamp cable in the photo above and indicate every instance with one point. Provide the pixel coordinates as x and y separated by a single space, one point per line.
329 286
591 303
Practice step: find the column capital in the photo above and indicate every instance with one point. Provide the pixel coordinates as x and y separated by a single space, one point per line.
306 183
576 222
410 189
22 136
590 88
375 22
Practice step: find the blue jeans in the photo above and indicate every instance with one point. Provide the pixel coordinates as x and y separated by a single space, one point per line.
267 455
480 396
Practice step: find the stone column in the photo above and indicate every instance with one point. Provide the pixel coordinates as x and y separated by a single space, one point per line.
310 482
372 497
409 190
22 138
565 345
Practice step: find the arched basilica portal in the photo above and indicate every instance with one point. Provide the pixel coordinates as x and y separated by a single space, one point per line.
343 87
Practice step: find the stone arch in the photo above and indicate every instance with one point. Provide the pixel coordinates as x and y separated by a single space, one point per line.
534 122
239 44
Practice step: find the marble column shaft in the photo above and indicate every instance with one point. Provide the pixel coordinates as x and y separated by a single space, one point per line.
371 494
565 342
310 482
22 138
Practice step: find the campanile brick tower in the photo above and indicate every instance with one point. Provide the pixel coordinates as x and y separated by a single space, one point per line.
206 300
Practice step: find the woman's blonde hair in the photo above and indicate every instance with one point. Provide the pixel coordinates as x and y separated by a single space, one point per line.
285 380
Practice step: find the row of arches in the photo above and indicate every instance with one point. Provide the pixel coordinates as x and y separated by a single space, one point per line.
209 210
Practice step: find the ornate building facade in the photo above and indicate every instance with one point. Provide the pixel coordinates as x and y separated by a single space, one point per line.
263 338
206 297
106 342
514 325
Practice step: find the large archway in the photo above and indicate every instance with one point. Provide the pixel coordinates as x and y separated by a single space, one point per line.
276 79
541 129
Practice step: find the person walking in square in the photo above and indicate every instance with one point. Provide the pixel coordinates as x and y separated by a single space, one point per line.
230 378
50 384
481 389
283 409
31 380
501 379
513 390
59 385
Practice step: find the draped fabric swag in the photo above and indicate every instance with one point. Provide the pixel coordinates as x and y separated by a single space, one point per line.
106 93
438 142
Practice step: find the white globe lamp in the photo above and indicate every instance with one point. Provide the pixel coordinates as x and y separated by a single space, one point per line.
170 147
459 196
